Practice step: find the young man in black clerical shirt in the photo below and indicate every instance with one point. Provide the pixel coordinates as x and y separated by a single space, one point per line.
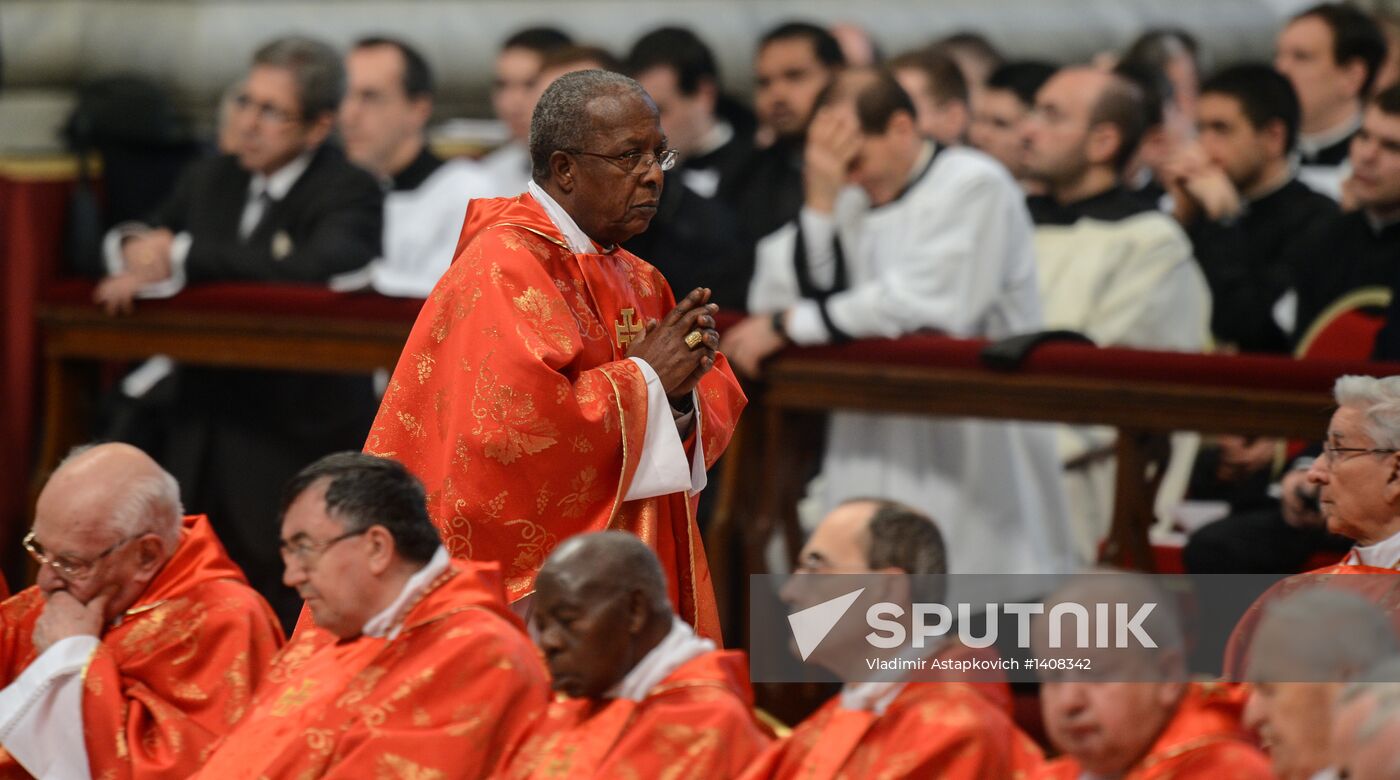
1237 196
1359 248
795 63
383 119
1331 53
694 240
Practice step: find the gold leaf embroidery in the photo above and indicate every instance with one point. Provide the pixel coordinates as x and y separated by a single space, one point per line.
411 424
536 544
425 366
507 423
585 492
392 767
293 698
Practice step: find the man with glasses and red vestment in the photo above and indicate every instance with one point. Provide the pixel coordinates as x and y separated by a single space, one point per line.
551 385
1359 478
415 666
141 643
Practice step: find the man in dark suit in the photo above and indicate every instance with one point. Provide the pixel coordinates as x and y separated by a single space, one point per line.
285 207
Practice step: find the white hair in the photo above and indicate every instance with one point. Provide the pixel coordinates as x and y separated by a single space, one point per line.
1314 618
1382 684
148 504
1378 399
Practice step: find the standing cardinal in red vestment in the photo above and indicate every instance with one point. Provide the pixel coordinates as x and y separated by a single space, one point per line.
551 385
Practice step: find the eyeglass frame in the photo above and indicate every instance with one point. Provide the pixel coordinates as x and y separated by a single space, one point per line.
666 160
44 559
285 548
1328 451
275 115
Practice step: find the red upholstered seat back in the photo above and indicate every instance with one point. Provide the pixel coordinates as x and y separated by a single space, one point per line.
1347 329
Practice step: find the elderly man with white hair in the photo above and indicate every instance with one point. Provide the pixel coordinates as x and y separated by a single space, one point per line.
141 642
1366 726
1359 472
1358 475
1308 647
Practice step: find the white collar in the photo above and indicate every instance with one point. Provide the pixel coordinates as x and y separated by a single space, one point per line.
278 183
1312 144
877 695
1384 554
579 242
680 645
390 621
719 135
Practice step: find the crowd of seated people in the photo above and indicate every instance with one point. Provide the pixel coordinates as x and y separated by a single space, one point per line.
1142 200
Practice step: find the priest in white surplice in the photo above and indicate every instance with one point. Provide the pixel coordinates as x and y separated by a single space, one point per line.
1111 265
931 239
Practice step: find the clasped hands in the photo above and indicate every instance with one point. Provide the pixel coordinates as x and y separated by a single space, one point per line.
145 260
662 344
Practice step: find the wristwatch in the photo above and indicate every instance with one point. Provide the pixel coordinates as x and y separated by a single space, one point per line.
780 326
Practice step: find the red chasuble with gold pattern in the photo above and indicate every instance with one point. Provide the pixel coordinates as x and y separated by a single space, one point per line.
1380 586
697 724
443 699
174 676
514 403
945 730
1202 741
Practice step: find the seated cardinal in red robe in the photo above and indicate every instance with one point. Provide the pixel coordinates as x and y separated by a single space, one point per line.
1308 647
1126 710
1358 475
414 667
888 725
141 643
644 695
551 385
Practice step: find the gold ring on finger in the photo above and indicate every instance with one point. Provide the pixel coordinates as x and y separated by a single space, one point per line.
694 339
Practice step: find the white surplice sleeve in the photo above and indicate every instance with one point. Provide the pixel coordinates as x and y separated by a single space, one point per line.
663 468
950 268
774 285
41 712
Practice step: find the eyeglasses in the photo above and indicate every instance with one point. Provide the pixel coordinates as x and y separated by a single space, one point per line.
636 163
1331 451
267 112
71 568
307 552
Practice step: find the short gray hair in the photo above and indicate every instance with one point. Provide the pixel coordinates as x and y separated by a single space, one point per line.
316 68
558 123
1382 684
1378 400
149 504
1313 619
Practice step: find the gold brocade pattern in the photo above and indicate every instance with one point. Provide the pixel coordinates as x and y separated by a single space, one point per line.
507 424
293 699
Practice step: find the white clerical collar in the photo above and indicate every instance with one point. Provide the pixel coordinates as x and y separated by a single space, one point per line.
719 135
1312 144
1384 554
876 696
390 621
680 645
278 183
579 242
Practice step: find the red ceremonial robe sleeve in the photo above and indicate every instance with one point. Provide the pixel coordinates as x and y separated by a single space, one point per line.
163 687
